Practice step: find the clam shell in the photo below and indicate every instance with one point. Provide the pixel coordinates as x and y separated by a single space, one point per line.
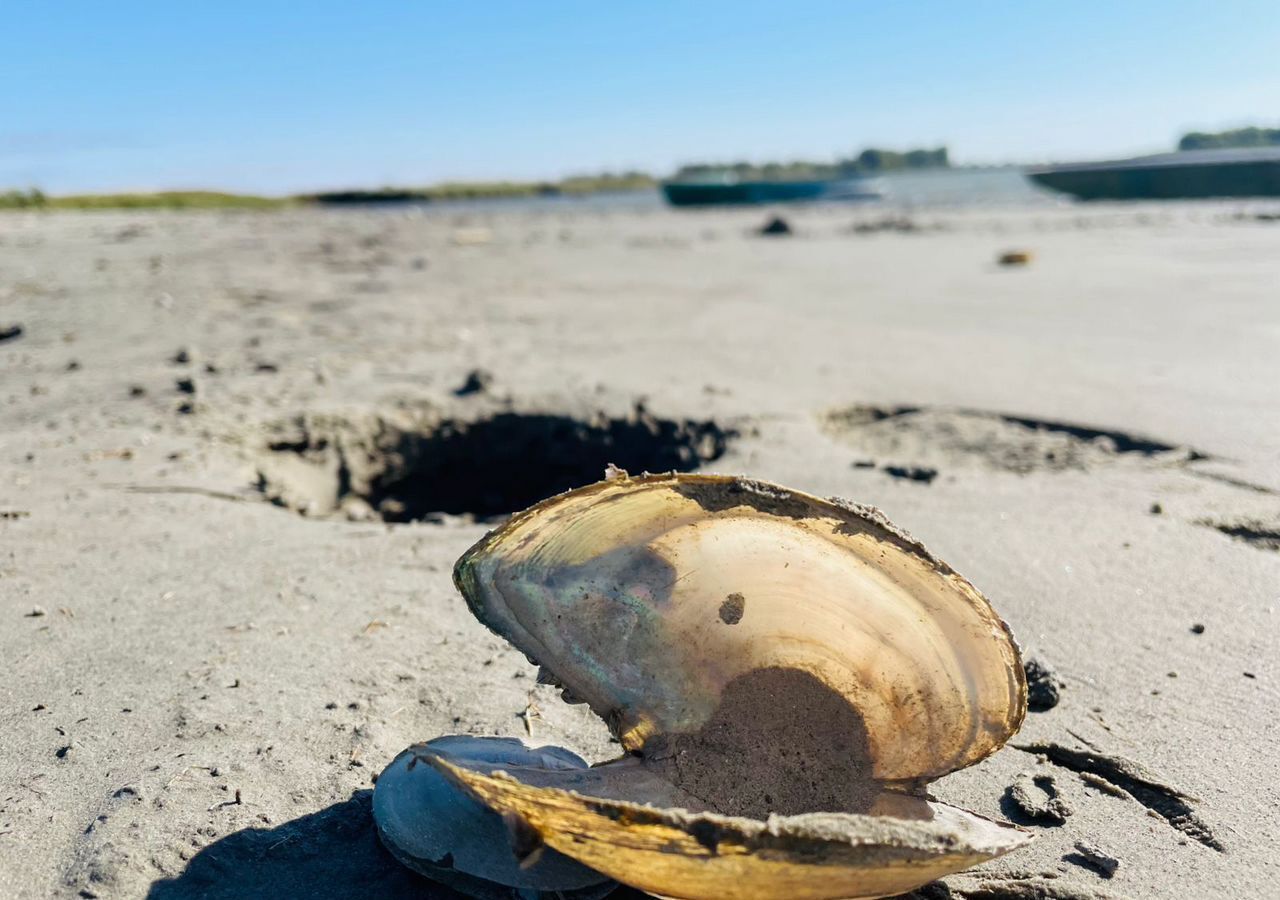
787 673
648 597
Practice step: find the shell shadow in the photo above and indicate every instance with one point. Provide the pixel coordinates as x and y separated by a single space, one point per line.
332 854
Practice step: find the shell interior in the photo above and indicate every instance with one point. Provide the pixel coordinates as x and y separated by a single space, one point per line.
659 599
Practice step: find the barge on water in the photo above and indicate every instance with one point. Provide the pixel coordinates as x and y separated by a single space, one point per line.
1185 175
729 191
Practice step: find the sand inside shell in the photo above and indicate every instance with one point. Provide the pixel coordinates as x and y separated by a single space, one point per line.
780 742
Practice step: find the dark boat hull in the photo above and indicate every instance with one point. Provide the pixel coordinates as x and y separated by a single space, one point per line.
756 192
1181 176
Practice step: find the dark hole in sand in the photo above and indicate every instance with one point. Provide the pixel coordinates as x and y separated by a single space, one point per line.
499 465
1012 443
492 466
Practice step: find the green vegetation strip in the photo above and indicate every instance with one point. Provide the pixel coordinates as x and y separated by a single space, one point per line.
1239 137
35 199
576 186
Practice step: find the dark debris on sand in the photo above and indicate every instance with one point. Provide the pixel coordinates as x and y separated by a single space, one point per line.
478 381
1118 775
1040 887
776 227
1044 688
1036 800
1093 857
921 474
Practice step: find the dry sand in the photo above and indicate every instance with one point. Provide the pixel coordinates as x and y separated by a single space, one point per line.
199 686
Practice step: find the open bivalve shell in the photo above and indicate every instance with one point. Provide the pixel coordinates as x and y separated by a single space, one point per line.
786 674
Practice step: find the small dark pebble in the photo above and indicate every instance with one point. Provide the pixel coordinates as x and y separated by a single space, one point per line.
182 357
776 227
137 390
73 366
266 367
186 408
477 382
210 369
1156 509
38 707
1249 675
10 332
62 752
1197 628
186 385
1044 689
331 705
922 474
864 463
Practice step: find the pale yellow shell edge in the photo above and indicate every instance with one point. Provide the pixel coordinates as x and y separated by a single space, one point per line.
690 856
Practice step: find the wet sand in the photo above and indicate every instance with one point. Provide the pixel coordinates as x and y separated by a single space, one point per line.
201 681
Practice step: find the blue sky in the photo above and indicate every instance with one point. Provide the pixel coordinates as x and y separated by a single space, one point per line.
275 96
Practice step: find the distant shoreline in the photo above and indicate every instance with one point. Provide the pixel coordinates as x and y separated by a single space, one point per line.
871 161
581 186
450 193
458 192
946 186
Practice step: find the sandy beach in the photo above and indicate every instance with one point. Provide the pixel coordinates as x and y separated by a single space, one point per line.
219 626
